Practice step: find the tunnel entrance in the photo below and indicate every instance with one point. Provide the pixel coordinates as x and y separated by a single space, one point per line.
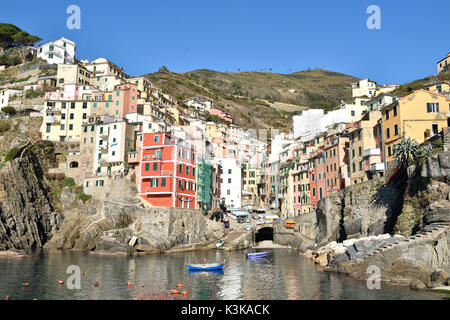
264 234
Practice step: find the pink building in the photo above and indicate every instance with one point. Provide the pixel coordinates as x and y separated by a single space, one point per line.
336 158
222 114
125 99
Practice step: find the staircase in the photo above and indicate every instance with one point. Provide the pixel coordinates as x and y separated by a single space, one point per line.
432 232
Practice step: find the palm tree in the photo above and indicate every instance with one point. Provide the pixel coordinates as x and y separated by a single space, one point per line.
406 152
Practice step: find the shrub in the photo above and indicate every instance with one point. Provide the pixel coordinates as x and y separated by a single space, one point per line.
69 182
9 110
84 197
11 154
4 126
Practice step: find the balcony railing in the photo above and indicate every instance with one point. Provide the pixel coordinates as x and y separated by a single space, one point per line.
51 119
372 152
377 167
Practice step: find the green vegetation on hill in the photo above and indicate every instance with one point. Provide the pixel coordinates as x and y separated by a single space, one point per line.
249 96
409 87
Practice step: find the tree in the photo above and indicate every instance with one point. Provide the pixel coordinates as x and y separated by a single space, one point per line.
163 69
24 40
7 31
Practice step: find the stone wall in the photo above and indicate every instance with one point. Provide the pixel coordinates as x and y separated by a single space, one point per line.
446 139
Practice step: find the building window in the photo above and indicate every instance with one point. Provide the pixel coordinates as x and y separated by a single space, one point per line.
388 133
394 110
387 115
389 151
156 139
72 116
147 167
155 166
163 182
396 130
433 107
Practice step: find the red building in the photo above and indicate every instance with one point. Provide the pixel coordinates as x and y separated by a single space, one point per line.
167 171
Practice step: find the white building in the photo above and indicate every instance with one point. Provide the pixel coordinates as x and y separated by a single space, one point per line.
61 51
231 181
199 103
354 110
380 101
306 123
113 140
105 74
6 95
363 88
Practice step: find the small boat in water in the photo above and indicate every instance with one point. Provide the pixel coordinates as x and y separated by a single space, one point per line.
257 254
206 266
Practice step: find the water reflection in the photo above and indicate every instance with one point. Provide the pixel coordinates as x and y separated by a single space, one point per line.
283 274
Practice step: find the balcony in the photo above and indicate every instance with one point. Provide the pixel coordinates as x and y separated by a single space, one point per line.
51 119
372 152
376 167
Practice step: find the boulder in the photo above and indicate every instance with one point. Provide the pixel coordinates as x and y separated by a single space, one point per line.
439 278
417 285
437 212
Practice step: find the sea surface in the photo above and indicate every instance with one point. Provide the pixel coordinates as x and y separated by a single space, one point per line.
284 274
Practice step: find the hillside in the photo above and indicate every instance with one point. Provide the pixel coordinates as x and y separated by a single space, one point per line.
259 99
409 87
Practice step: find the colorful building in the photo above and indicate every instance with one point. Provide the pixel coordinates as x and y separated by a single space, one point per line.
167 171
419 115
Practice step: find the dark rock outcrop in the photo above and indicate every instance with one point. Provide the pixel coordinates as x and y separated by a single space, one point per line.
27 217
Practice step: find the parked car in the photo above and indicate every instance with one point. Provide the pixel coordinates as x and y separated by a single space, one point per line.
255 217
247 220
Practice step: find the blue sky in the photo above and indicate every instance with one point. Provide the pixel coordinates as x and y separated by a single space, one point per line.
229 35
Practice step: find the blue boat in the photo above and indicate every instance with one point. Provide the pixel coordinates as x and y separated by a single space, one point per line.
257 254
206 267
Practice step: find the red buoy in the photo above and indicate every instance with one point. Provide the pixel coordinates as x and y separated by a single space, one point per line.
96 284
129 284
7 298
60 282
184 293
180 286
174 291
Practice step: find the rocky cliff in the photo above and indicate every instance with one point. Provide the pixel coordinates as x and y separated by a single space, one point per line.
415 205
120 224
27 216
38 211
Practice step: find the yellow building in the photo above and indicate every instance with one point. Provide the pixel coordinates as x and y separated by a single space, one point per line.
441 87
144 87
63 120
363 144
419 115
73 74
444 64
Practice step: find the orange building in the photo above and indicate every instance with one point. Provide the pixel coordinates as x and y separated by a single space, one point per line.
167 175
